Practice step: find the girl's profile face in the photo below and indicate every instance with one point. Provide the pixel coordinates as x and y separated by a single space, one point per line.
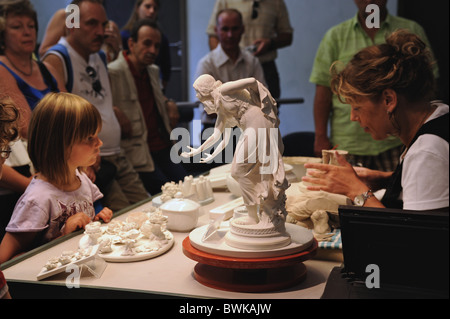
148 10
85 153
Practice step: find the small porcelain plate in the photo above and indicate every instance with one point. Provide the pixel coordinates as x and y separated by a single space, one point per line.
62 268
143 248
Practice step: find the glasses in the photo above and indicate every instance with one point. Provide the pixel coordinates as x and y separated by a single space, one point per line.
5 153
96 85
255 9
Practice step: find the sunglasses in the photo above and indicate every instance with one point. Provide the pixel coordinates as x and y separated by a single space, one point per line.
255 9
96 85
5 153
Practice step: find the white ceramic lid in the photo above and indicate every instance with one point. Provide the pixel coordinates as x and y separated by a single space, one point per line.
180 205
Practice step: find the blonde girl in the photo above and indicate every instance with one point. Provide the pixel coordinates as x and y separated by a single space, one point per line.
63 138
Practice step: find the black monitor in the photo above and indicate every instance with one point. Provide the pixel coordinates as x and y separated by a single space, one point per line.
410 249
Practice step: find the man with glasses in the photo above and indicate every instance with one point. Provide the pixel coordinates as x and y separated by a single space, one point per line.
77 59
267 28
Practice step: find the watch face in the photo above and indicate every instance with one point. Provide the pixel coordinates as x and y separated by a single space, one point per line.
359 200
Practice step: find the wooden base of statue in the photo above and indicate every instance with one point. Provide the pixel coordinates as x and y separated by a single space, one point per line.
249 275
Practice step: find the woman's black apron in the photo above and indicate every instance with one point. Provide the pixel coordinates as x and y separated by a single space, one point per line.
439 127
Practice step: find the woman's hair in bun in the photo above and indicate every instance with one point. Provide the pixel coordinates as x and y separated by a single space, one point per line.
402 64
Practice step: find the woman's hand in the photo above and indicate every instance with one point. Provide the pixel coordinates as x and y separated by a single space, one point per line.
335 179
374 179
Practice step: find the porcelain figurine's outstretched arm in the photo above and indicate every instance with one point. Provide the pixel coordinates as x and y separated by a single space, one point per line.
233 86
220 147
218 130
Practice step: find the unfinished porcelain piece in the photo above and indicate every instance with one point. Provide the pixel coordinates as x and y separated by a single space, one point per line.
257 164
141 236
329 156
315 210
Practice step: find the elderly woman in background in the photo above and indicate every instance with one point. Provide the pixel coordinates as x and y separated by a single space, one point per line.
389 88
25 80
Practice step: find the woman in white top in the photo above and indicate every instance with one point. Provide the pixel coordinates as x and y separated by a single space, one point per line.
389 87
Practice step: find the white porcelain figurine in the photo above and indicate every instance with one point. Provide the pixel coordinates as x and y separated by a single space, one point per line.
257 164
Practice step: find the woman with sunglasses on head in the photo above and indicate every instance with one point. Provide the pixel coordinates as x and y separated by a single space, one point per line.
25 80
389 87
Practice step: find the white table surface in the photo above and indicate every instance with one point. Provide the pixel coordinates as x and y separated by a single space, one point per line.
170 274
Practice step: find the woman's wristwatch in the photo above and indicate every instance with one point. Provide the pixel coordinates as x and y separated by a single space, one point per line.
360 200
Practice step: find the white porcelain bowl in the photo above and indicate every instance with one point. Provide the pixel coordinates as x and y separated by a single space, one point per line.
182 214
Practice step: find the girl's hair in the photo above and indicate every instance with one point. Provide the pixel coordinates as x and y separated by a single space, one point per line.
402 64
134 14
9 115
58 122
16 8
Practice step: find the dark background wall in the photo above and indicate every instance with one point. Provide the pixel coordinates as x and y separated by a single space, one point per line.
432 15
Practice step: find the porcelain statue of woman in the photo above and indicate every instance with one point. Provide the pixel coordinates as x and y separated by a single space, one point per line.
257 164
